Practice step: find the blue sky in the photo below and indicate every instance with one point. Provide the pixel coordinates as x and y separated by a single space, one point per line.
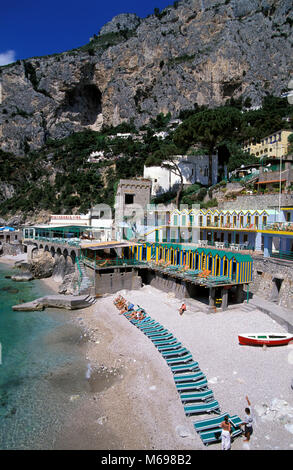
34 28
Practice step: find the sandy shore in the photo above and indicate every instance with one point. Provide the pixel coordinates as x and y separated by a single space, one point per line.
133 402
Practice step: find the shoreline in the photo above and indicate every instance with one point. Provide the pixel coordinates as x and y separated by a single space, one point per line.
134 404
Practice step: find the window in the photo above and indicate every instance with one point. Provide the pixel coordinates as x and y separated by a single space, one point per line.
222 220
248 219
256 221
191 219
175 220
184 220
129 198
241 221
200 220
264 220
234 220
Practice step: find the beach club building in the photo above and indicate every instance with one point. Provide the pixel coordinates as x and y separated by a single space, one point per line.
268 231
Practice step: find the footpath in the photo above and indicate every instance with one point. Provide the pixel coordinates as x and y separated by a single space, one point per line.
281 315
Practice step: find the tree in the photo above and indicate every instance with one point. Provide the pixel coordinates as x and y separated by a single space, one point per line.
209 128
165 157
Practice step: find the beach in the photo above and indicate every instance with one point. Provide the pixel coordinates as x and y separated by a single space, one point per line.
132 402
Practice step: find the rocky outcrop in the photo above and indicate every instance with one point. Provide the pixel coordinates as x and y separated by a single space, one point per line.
42 265
199 51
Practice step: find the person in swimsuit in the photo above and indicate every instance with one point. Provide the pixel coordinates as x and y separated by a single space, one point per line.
226 433
182 309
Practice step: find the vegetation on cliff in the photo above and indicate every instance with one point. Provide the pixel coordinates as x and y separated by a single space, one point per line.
59 178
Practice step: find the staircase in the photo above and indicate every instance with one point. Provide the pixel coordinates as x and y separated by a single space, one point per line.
84 284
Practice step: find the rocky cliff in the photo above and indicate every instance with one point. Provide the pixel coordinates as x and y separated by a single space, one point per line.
196 51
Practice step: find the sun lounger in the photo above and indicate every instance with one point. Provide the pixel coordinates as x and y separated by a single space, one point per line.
212 406
205 395
168 339
211 423
178 360
176 352
235 420
199 385
159 334
170 347
185 367
155 332
152 326
215 435
189 377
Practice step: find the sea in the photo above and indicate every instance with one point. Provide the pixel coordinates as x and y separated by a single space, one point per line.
43 367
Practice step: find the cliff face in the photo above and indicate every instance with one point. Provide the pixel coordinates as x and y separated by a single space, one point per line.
203 51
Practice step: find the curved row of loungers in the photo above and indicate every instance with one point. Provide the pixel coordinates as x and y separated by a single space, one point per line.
190 381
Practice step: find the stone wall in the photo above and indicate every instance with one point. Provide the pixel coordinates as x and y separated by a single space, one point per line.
273 280
109 283
258 201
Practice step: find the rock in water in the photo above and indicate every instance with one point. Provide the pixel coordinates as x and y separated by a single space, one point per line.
42 265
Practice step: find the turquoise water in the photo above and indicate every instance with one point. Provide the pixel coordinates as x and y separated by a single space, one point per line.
42 365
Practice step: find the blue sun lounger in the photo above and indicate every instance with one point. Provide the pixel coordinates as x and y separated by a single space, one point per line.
189 377
153 329
170 347
143 323
168 339
205 395
177 352
178 360
212 406
185 367
199 385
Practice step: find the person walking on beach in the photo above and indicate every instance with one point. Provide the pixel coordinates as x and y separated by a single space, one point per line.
247 421
226 433
182 309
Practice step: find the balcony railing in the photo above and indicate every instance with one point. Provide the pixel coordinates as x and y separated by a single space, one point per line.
286 255
112 262
278 227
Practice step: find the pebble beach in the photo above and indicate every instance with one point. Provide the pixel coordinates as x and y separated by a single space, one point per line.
132 402
141 409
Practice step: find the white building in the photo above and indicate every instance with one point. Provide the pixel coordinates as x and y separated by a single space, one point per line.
98 221
195 169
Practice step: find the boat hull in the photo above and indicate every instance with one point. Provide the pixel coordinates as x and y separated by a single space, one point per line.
246 341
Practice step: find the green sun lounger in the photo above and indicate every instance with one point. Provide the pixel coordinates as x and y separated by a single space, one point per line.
199 385
189 377
154 331
211 423
235 421
142 324
178 360
205 395
167 339
170 347
150 324
176 352
212 406
159 334
215 435
154 327
185 367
